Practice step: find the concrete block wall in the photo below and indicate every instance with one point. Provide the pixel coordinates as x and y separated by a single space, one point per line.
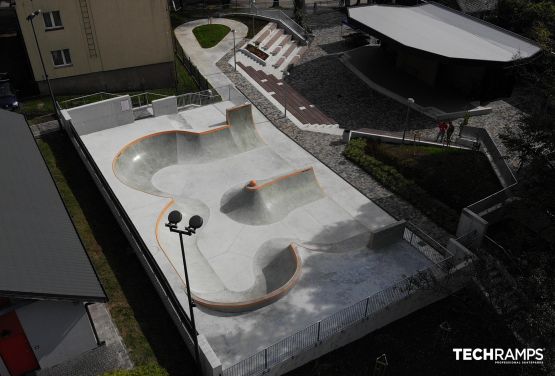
102 115
470 222
164 106
57 331
386 235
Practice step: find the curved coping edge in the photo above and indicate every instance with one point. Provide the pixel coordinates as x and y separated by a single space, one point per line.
242 305
278 179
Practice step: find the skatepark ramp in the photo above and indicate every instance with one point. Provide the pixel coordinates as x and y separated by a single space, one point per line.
268 201
137 162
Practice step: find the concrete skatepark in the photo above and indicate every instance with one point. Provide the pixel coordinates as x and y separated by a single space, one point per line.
285 242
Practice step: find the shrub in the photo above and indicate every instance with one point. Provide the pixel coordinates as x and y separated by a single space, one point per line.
390 178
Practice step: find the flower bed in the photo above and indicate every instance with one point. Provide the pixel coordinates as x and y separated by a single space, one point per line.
257 52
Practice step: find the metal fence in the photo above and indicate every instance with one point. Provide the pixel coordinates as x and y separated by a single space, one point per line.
144 99
315 333
200 80
276 15
86 99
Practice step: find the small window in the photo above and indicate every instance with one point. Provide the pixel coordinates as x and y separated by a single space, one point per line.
52 20
61 58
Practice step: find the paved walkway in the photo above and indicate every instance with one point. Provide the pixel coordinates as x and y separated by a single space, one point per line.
45 128
205 59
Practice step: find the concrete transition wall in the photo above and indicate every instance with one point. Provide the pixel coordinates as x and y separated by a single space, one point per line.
164 106
102 115
57 331
386 235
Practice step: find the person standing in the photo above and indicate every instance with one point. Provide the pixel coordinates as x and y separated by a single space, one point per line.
450 130
442 127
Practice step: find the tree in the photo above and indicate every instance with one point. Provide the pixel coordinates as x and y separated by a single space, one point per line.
299 12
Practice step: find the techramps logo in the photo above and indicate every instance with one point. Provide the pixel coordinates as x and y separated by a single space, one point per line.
501 356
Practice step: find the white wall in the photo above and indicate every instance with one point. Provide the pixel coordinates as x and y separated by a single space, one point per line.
102 115
57 331
3 368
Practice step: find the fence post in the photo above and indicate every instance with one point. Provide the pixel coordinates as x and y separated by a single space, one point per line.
266 358
229 92
366 309
318 336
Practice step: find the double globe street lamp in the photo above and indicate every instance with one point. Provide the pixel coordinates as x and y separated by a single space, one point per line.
195 222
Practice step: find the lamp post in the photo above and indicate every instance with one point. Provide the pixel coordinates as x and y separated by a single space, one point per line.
252 10
410 102
194 224
285 74
234 52
30 18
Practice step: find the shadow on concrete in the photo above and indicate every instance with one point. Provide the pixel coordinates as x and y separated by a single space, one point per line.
147 309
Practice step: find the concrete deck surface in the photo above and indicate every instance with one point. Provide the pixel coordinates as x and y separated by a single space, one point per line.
330 229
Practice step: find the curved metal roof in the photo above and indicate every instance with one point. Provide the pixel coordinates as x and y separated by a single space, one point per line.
442 31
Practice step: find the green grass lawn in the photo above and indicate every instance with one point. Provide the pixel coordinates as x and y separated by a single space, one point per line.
210 35
147 330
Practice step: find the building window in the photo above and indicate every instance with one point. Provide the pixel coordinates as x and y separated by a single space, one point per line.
52 20
61 58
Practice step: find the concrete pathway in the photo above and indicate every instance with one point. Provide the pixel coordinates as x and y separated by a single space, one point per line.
205 59
45 128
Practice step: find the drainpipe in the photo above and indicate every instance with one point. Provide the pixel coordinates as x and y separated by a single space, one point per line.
98 341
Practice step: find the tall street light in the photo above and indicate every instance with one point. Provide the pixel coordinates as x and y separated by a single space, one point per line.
253 7
194 224
234 52
30 18
285 74
410 102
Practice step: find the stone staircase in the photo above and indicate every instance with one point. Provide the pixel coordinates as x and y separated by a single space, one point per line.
308 117
283 51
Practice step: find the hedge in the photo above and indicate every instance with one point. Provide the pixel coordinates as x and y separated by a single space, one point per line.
390 178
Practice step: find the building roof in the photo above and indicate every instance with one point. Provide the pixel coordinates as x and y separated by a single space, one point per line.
443 31
41 255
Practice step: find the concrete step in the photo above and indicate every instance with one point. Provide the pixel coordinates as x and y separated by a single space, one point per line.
272 39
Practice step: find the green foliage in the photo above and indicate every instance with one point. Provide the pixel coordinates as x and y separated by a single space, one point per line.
389 177
151 369
210 35
456 177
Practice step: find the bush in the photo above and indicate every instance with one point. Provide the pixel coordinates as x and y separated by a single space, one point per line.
398 184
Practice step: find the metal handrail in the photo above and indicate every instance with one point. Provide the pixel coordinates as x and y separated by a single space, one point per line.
82 98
